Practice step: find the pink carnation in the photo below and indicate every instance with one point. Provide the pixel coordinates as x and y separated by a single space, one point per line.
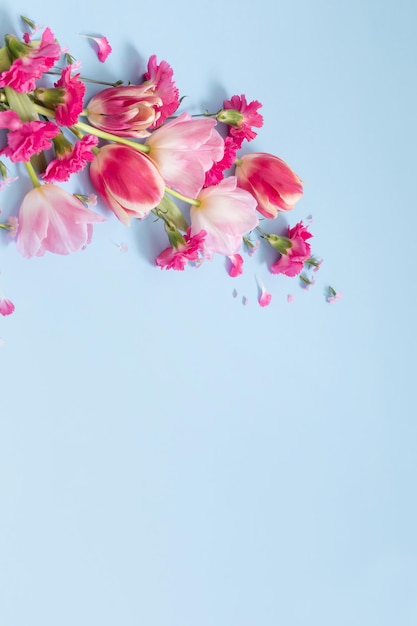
67 112
26 69
177 258
293 261
216 173
250 117
61 168
26 138
159 78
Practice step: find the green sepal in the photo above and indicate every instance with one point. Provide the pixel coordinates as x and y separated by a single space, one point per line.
174 235
171 213
16 47
4 59
229 116
282 244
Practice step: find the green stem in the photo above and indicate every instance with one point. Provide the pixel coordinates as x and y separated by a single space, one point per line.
86 128
91 80
32 174
44 111
174 193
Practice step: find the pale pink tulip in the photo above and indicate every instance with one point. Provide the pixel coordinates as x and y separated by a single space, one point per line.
184 149
51 219
127 180
226 213
269 179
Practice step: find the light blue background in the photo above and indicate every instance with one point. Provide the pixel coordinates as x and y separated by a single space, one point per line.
169 456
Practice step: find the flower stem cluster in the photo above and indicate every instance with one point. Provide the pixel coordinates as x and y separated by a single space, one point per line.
144 156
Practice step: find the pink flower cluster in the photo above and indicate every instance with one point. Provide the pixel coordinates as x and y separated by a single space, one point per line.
144 156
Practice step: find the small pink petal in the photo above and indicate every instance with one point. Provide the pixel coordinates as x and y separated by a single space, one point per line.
235 265
103 47
264 298
244 300
290 298
6 306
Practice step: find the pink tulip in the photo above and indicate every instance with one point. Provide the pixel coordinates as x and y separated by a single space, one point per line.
226 213
126 111
269 179
52 219
127 180
184 149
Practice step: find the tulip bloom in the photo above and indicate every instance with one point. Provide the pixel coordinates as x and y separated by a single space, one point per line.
127 180
53 219
269 179
226 213
184 149
126 111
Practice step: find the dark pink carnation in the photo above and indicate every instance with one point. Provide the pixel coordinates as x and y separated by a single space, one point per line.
25 70
216 173
67 112
177 258
291 263
28 139
251 118
160 78
61 168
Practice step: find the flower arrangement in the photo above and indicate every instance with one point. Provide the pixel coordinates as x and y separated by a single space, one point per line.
144 157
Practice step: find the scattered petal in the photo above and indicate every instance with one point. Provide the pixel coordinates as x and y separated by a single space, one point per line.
333 295
264 298
103 47
6 306
235 265
290 298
